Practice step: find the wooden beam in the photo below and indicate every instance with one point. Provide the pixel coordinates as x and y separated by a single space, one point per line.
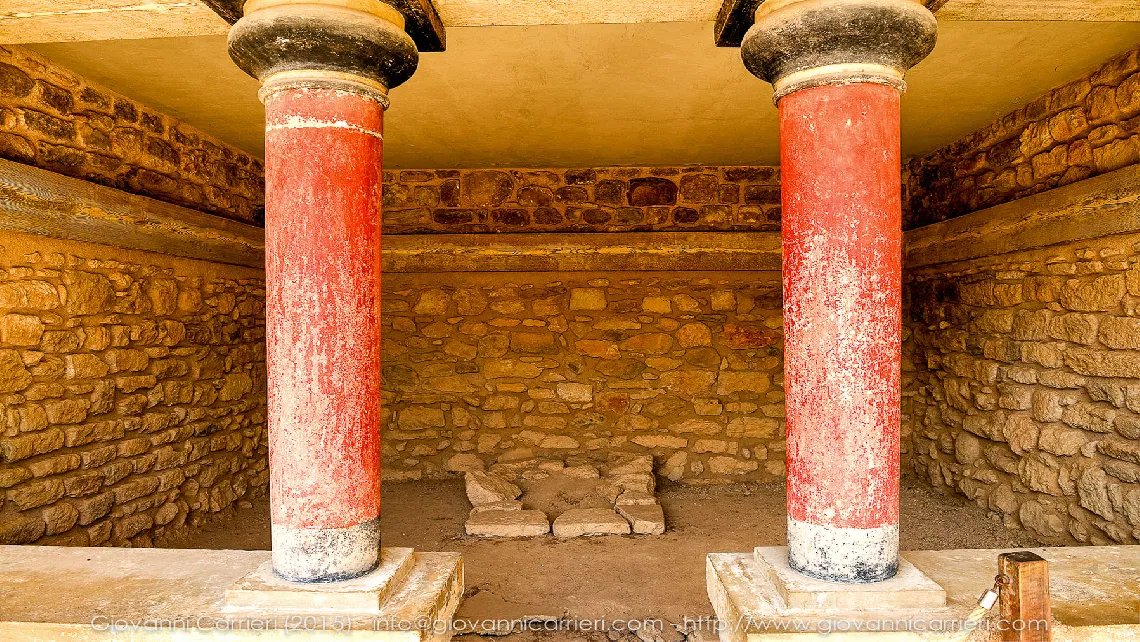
735 17
1092 208
36 21
1025 606
423 22
733 21
36 201
229 10
617 252
1046 10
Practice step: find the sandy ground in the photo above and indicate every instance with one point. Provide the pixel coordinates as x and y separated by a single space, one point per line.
618 577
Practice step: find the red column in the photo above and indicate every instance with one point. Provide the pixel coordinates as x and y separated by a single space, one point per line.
322 217
837 68
842 231
325 67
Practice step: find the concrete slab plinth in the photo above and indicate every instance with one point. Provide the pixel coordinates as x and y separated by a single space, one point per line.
261 590
909 589
144 595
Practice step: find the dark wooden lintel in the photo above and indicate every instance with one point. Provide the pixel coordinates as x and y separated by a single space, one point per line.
733 21
423 22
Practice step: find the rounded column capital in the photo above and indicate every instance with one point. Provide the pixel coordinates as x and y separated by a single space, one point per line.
351 45
797 44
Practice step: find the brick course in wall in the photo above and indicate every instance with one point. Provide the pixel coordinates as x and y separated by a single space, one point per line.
132 392
54 119
492 368
1025 389
604 199
1086 127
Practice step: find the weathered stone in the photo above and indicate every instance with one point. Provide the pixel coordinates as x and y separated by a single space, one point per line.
13 375
433 302
1092 488
598 349
1035 516
20 329
644 519
722 465
1062 441
420 418
688 382
504 368
657 305
88 293
487 488
1120 333
731 382
1101 293
590 521
648 343
1099 363
507 523
652 191
587 299
575 392
692 335
21 529
464 462
484 188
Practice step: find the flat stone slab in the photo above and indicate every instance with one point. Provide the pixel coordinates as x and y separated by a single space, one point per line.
636 497
644 519
261 590
507 523
514 504
59 593
909 589
590 521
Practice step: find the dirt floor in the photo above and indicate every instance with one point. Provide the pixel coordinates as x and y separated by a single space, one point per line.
618 577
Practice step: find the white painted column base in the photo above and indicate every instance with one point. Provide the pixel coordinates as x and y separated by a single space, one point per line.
322 555
845 555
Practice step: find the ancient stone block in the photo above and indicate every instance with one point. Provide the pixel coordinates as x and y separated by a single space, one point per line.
590 521
507 523
644 519
487 488
587 299
652 191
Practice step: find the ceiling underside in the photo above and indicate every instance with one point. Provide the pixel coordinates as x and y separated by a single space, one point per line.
605 94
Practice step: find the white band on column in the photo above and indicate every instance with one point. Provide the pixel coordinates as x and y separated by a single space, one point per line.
847 555
325 554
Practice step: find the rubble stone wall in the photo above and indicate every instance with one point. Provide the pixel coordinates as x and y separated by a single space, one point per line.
54 119
485 368
603 199
132 392
1083 128
1023 379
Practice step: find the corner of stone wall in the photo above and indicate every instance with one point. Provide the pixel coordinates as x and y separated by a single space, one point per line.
1087 127
54 119
132 393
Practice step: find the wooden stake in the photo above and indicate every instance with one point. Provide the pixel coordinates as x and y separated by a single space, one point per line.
1025 609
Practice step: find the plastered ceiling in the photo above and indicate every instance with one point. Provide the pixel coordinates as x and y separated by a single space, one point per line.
605 94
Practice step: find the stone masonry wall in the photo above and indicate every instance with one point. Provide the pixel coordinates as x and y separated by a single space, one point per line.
1025 388
486 368
132 392
54 119
1086 127
604 199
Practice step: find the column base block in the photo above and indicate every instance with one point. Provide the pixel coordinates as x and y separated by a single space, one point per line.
759 597
261 590
909 589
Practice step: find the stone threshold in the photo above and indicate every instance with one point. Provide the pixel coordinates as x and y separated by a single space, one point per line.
1095 594
145 594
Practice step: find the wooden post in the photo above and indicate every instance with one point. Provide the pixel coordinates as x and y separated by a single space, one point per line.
1025 611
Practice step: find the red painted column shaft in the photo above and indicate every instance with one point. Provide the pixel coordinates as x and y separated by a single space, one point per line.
322 182
842 272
